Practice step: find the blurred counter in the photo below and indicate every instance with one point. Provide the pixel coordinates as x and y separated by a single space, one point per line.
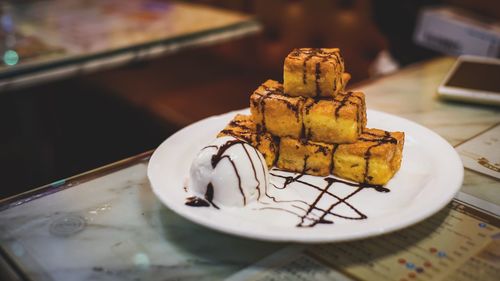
47 40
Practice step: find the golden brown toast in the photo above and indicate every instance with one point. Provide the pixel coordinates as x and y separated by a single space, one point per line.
312 72
242 127
311 125
373 159
276 113
337 120
332 120
312 158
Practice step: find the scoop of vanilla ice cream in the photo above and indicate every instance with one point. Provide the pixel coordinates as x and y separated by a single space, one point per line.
228 172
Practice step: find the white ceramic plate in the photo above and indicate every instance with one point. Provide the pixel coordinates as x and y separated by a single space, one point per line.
430 175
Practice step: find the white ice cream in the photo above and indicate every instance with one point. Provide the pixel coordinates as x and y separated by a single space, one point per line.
235 169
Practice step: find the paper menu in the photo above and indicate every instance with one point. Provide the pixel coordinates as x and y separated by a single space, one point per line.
482 153
460 242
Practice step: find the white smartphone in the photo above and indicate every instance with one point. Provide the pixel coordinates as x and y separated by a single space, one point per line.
473 79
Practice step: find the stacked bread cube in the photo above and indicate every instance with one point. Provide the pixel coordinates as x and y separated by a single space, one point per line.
311 125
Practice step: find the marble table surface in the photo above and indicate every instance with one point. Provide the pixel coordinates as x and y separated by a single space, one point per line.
108 225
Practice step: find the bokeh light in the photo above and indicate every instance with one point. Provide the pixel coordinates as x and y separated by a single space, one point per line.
10 57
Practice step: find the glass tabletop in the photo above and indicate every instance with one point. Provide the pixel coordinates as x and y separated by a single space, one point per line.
41 40
108 225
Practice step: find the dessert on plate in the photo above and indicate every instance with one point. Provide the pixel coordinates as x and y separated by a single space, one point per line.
307 125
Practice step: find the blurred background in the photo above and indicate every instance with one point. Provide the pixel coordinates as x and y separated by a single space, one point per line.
59 127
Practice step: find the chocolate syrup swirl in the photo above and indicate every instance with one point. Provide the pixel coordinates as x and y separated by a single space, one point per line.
308 219
308 216
275 200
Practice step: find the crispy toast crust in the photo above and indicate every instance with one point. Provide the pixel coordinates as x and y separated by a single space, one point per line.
242 127
340 119
313 72
373 159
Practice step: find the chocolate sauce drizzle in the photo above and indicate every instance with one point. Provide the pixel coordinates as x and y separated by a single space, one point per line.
303 105
254 170
308 219
317 77
275 200
379 140
315 52
261 104
245 133
194 201
209 194
294 107
343 102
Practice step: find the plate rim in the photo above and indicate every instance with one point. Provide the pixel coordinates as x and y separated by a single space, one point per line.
446 197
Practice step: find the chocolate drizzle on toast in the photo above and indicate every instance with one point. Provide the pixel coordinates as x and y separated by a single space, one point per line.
317 77
323 55
342 103
306 215
378 141
301 106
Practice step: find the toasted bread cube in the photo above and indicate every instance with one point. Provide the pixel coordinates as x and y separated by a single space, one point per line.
312 72
275 112
309 157
373 159
332 120
340 120
242 127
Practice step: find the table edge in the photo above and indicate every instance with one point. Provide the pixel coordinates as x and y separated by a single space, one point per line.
72 181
